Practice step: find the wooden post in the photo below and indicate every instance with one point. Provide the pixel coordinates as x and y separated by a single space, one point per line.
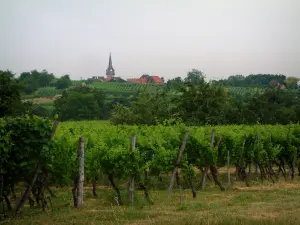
228 168
187 133
80 173
205 172
213 168
203 179
131 179
181 197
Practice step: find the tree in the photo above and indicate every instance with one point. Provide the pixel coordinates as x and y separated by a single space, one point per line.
195 77
174 84
63 82
10 98
44 78
30 84
202 104
273 83
145 108
254 80
291 82
79 107
34 80
273 106
80 103
122 114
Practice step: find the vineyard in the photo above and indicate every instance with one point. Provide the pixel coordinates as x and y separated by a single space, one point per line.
119 87
254 150
148 157
243 90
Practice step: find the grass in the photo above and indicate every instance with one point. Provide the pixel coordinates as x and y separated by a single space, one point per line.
261 204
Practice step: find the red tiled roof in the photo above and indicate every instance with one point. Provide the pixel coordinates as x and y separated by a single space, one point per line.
142 80
107 78
157 79
137 80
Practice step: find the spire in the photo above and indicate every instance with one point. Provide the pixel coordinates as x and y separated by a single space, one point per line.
110 72
110 62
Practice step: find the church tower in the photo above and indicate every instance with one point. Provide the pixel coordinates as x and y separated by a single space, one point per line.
110 72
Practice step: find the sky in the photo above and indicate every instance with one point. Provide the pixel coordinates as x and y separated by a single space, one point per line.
166 38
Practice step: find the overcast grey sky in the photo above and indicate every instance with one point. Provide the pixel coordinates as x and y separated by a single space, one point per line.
162 37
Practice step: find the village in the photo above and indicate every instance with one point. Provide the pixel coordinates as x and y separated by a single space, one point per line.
110 77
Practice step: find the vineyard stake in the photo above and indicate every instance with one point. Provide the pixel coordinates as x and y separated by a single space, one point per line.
80 173
228 167
131 179
187 133
205 172
213 168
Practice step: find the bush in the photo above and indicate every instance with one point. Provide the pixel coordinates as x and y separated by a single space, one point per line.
48 92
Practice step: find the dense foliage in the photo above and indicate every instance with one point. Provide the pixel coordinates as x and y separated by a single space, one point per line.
80 103
261 98
108 150
34 80
24 151
26 141
63 82
257 80
144 108
197 102
10 98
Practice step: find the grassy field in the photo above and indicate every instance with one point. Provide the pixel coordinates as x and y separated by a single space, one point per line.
277 203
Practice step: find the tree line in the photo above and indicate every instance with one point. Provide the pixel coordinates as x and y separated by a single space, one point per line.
191 100
34 79
197 102
260 80
12 90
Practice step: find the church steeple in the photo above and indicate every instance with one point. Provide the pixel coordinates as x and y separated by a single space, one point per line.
110 72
